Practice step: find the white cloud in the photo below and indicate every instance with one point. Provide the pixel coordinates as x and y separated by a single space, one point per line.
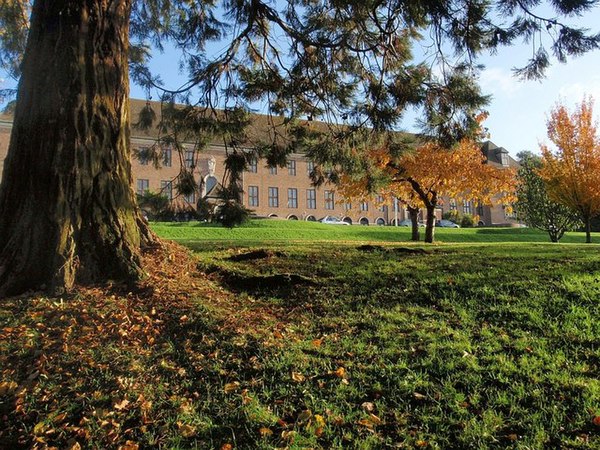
574 92
499 81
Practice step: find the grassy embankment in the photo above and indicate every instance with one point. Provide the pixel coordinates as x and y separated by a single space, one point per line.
319 346
282 231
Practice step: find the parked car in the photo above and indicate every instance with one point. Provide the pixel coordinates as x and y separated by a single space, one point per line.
333 221
447 224
408 223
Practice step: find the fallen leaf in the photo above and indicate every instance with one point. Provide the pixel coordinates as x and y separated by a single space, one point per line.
187 431
340 372
59 418
122 405
39 428
319 420
421 443
317 342
73 446
231 387
298 377
7 387
129 445
596 421
419 396
246 398
368 407
264 431
373 418
288 435
365 423
226 447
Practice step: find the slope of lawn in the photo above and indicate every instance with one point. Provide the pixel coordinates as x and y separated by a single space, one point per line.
315 345
260 230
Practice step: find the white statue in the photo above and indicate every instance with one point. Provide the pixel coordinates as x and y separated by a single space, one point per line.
212 164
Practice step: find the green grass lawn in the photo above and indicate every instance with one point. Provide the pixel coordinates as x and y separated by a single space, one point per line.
261 230
321 343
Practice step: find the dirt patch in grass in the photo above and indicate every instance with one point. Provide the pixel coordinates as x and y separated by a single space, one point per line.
369 248
255 254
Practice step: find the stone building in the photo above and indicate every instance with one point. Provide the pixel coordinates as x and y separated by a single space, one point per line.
285 193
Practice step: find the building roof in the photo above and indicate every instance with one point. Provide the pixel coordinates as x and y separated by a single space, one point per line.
493 154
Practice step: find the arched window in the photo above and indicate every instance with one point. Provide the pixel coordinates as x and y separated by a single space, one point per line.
292 217
347 220
311 218
210 183
364 221
380 221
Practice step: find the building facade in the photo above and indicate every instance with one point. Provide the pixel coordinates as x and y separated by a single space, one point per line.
285 193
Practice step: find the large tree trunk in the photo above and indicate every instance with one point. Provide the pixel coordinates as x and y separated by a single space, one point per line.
67 209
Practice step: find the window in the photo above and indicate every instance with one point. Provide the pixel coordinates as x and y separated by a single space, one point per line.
311 199
347 206
480 210
329 203
452 204
144 156
167 157
292 198
382 207
252 195
504 158
467 207
189 159
310 167
273 170
211 182
143 186
253 165
166 189
364 206
291 166
274 197
191 198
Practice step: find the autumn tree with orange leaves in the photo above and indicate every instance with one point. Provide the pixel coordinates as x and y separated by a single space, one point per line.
420 178
572 171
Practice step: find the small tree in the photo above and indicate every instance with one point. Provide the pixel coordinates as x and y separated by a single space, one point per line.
571 173
460 172
534 205
422 176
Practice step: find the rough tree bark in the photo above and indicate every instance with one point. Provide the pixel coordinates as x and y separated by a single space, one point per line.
413 213
430 222
67 209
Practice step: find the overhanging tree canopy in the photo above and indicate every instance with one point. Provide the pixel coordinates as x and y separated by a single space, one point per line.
67 210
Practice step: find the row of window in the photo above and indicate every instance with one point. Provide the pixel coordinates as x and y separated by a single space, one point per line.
167 157
291 167
189 160
467 207
166 189
292 199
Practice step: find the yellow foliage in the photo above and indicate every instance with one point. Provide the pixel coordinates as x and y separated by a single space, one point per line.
572 172
429 172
